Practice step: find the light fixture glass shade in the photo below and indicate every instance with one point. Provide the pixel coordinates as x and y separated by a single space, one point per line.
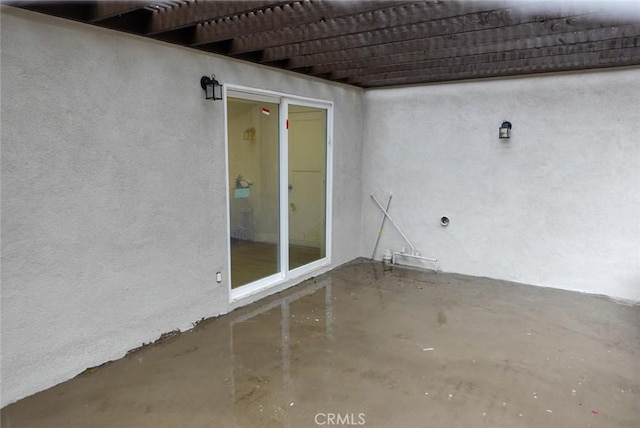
209 91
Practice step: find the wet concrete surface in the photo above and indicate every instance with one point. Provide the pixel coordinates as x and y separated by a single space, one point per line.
361 346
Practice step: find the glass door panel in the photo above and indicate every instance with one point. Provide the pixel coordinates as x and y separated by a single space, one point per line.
254 189
307 174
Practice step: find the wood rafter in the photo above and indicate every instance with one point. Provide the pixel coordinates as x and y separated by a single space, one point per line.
269 19
581 42
522 58
191 14
422 26
104 9
440 38
611 58
365 20
378 43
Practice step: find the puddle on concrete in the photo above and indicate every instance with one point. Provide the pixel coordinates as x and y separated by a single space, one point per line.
365 346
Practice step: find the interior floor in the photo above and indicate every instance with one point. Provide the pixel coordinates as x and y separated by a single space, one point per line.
251 261
378 348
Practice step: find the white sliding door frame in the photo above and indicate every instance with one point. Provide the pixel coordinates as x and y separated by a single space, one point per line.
283 100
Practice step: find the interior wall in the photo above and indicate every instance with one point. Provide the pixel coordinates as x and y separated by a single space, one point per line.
114 192
557 204
267 223
256 160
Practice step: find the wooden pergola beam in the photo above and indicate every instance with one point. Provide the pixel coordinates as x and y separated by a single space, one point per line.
504 57
361 66
377 43
263 21
454 41
577 61
192 14
104 9
424 27
378 15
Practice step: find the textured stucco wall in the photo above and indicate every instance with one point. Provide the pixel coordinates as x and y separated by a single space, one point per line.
113 192
556 205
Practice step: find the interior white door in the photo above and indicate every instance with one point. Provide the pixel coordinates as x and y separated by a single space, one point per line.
307 178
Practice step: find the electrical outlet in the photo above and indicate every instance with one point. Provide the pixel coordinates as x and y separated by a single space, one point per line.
218 277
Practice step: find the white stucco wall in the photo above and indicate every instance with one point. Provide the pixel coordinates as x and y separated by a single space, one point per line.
114 214
556 205
114 199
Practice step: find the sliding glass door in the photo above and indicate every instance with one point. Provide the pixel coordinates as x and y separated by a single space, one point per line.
278 156
307 174
254 190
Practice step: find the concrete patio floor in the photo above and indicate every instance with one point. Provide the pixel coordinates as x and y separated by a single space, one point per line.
366 346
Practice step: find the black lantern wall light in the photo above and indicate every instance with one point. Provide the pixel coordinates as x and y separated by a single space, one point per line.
212 88
505 130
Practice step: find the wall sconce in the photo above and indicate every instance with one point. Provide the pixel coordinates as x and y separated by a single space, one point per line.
212 88
249 134
505 130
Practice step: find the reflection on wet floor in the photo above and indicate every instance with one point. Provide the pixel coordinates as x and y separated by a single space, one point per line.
303 315
365 346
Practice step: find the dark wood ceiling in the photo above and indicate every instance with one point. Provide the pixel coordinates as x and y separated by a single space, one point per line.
382 43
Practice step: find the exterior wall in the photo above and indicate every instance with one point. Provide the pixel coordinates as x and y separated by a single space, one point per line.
556 205
114 215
